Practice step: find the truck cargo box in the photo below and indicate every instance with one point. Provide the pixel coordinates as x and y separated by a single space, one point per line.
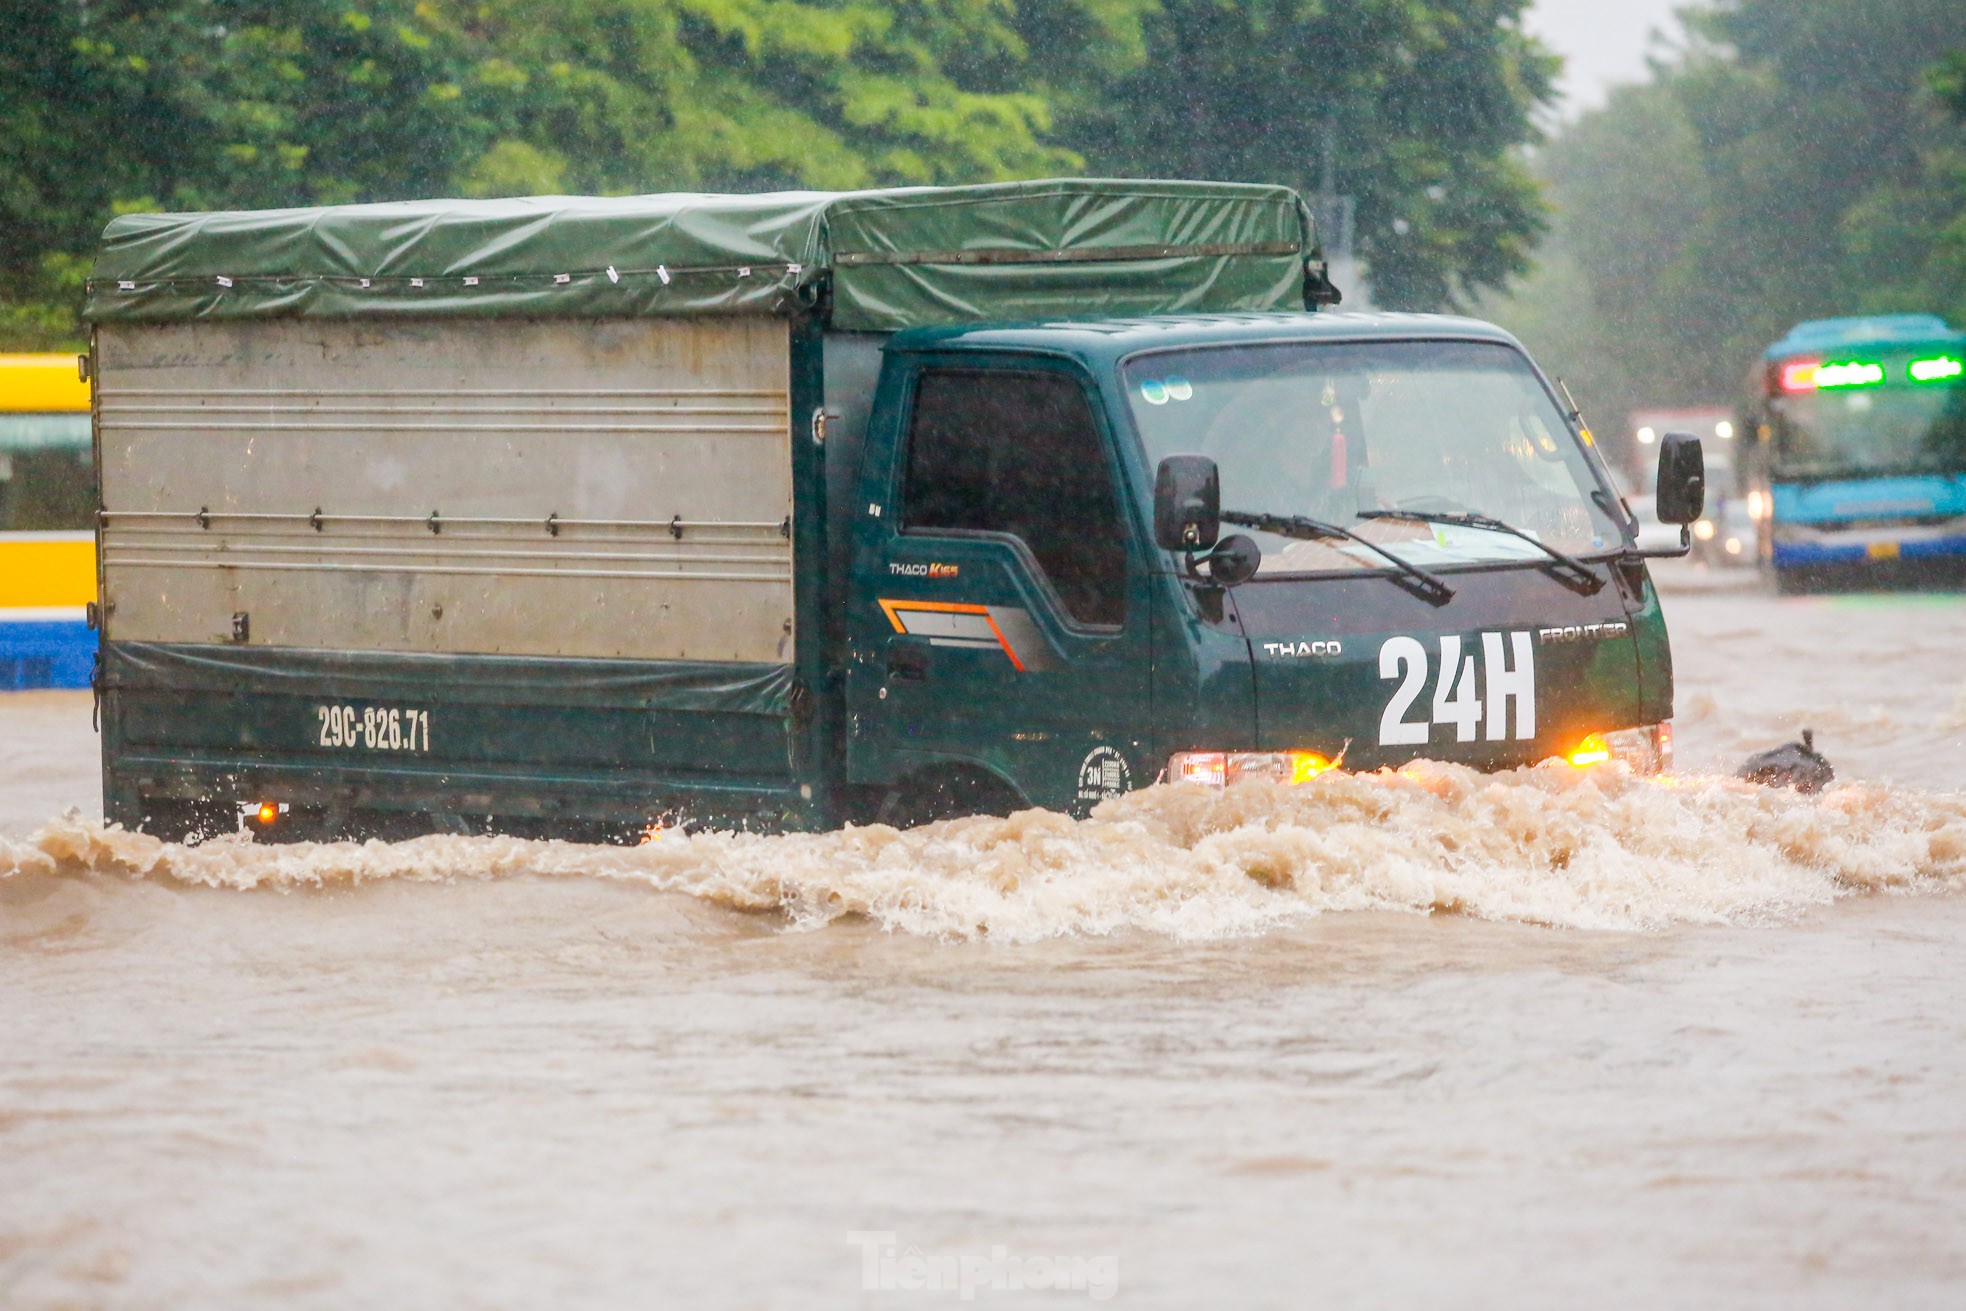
489 512
617 490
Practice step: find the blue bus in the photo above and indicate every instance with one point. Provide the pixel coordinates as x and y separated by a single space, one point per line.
1856 471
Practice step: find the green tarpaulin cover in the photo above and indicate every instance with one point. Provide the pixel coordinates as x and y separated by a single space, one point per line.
880 260
699 687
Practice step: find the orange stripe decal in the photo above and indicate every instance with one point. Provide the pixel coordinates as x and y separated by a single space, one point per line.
1002 641
893 609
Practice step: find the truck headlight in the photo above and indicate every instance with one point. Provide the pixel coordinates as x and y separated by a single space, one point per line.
1593 750
1221 768
1645 750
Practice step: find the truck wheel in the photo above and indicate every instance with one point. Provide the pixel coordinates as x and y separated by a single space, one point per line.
927 798
186 821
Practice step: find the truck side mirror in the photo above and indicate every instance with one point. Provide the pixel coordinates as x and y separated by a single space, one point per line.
1187 503
1682 479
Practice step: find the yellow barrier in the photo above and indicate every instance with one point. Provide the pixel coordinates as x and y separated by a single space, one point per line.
47 571
41 384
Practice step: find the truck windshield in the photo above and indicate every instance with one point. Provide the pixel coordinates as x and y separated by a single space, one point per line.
1892 428
1338 431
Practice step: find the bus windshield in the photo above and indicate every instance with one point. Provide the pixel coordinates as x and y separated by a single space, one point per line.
1336 432
46 480
1891 428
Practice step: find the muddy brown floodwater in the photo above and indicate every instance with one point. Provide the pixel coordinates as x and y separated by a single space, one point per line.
1428 1039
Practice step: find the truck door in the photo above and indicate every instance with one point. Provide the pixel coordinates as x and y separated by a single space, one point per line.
999 624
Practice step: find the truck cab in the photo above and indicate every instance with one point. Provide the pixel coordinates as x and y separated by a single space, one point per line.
1437 565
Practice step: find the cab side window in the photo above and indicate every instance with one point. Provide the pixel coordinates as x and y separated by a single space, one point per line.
1018 453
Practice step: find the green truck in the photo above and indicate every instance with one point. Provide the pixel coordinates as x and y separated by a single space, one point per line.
575 516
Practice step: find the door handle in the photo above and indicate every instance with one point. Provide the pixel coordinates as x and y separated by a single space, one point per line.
908 663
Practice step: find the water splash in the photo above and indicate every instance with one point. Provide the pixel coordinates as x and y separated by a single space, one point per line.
1549 845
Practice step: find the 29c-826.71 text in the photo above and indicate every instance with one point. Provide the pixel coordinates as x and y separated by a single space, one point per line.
374 728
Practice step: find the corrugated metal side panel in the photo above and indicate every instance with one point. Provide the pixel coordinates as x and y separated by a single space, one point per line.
575 489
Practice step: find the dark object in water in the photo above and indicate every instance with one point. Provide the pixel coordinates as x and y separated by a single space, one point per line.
1792 765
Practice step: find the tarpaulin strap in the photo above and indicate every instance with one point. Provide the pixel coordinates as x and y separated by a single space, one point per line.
1082 255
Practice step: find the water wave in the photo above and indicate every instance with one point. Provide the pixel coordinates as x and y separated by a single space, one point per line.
1549 845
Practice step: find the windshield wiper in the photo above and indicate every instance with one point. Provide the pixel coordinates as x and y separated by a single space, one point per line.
1582 574
1428 587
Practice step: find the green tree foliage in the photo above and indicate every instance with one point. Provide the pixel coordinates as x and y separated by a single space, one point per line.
1424 103
1795 159
1928 218
117 105
52 177
127 104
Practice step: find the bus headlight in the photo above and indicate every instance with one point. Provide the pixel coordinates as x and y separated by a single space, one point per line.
1221 768
1704 530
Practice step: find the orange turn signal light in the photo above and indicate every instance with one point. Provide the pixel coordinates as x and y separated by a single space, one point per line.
1307 765
1593 750
268 812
